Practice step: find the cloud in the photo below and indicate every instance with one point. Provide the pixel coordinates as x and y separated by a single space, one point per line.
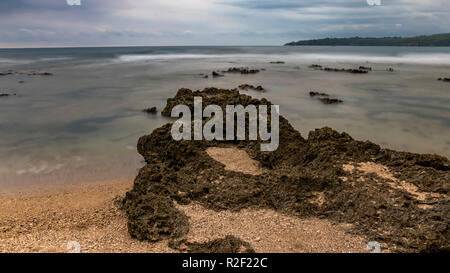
197 22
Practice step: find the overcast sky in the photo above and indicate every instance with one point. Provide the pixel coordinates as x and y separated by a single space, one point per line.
31 23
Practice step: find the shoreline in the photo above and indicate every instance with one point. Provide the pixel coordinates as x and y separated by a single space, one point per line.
45 221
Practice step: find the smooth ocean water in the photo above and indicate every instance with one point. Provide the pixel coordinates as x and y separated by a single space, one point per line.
83 123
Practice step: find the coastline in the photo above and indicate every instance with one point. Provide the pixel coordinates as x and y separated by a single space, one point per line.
46 221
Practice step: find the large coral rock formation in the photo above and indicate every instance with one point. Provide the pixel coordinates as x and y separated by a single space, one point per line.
321 176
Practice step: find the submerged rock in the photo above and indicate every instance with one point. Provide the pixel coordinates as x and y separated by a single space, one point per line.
365 68
330 100
215 74
6 95
360 70
350 70
325 98
314 94
242 70
378 206
316 66
26 73
151 110
251 87
278 62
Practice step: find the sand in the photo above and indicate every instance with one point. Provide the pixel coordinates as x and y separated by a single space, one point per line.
86 215
235 160
49 221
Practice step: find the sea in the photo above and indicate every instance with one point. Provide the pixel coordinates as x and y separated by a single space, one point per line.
81 124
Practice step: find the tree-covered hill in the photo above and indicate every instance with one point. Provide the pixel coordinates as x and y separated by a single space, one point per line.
430 40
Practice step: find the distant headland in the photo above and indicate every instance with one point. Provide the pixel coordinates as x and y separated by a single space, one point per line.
429 40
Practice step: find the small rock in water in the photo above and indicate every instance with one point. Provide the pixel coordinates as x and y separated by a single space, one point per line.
444 79
325 98
313 94
390 69
315 66
6 94
151 110
215 74
349 70
365 68
251 87
242 70
330 101
277 62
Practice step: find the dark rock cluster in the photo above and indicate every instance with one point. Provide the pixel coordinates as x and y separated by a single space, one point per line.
251 87
26 73
182 172
325 98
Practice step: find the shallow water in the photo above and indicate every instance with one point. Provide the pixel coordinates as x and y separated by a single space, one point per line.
82 123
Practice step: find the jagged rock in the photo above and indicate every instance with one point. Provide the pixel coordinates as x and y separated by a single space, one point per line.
182 172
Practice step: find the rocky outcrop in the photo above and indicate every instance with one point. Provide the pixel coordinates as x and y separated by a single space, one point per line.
377 205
